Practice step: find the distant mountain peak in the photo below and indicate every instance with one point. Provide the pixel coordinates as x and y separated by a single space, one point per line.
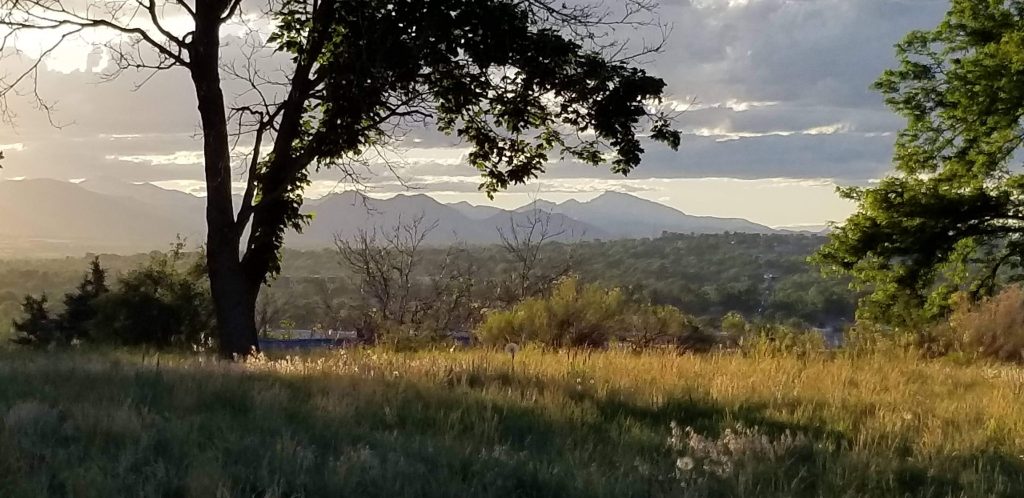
113 213
614 194
539 205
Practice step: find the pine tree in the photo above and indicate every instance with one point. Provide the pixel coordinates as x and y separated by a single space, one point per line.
79 307
38 328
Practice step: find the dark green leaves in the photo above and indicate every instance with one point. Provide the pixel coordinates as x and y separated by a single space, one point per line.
488 71
952 217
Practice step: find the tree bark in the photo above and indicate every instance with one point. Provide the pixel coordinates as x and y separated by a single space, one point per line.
234 292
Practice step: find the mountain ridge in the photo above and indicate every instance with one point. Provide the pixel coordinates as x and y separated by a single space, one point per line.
108 214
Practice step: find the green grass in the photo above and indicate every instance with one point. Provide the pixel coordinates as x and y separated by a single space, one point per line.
372 423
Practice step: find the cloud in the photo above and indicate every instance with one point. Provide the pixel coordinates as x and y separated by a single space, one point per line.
181 158
767 89
691 104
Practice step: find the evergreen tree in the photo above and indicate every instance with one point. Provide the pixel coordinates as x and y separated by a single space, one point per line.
37 328
79 306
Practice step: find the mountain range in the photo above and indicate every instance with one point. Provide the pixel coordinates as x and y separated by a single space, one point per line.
47 217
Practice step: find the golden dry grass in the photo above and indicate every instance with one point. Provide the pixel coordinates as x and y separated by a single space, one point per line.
472 423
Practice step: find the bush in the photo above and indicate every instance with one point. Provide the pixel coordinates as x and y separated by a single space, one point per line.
79 306
588 315
651 325
745 461
162 303
993 328
573 315
775 339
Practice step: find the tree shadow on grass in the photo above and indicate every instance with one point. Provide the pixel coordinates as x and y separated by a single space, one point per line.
130 431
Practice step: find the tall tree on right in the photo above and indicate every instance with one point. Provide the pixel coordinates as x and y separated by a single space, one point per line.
951 216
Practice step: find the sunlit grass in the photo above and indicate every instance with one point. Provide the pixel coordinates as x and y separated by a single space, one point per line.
473 423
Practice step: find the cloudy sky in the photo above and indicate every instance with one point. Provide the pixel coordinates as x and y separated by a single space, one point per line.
780 111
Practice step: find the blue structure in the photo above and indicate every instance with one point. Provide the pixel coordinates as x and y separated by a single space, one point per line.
301 344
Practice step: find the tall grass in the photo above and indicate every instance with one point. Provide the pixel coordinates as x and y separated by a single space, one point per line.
472 423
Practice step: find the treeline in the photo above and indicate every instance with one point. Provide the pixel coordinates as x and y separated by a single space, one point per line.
762 278
163 302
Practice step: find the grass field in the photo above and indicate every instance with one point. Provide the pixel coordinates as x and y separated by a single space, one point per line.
467 424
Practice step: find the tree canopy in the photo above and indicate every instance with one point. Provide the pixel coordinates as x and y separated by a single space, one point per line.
950 218
519 81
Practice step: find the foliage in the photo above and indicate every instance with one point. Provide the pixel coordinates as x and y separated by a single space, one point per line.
705 276
573 314
371 423
647 325
72 325
773 339
949 219
163 303
38 328
734 325
80 305
993 328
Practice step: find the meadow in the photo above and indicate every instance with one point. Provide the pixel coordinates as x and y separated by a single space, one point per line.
476 423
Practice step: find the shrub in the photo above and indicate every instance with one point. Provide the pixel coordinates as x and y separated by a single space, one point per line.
775 339
743 461
79 306
651 325
162 303
40 330
572 315
993 328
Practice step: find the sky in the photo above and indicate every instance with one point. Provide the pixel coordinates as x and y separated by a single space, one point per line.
777 99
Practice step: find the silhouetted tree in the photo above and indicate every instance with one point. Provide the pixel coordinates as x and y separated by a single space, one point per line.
79 306
516 80
162 303
37 328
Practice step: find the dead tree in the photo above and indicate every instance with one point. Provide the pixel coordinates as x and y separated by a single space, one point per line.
525 240
384 260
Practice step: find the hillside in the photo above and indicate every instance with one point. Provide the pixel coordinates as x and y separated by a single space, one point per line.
628 216
64 216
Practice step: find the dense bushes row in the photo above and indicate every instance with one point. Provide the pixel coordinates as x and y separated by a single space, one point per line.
162 303
575 314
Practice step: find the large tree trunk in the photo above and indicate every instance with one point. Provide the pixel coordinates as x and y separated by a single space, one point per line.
234 299
234 294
